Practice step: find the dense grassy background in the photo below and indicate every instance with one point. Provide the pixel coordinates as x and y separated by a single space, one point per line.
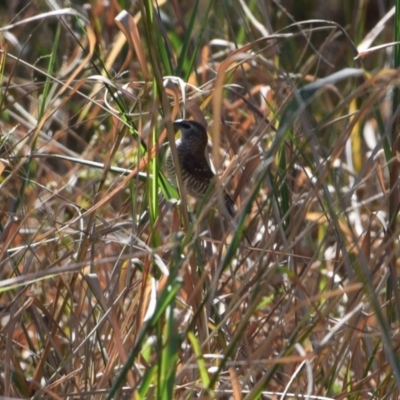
115 286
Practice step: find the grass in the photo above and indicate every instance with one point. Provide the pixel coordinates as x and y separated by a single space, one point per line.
114 284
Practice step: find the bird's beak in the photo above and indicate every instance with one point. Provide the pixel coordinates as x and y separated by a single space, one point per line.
178 123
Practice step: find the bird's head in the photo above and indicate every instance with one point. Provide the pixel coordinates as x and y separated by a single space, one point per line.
194 134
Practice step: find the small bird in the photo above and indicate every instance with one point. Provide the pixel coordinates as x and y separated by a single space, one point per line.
195 170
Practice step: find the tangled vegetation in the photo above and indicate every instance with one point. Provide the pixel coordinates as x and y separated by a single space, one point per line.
115 285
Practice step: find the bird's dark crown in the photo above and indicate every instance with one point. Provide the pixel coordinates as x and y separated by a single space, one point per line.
193 133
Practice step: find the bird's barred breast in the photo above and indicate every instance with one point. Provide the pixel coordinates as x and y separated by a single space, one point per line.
193 185
170 168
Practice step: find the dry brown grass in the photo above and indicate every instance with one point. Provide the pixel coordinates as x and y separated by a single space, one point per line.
111 289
